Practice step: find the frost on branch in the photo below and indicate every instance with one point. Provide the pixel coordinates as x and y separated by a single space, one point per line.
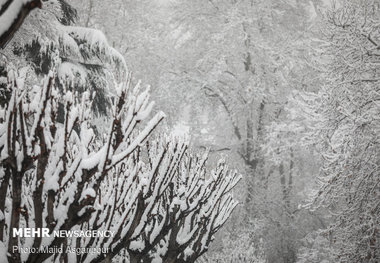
157 199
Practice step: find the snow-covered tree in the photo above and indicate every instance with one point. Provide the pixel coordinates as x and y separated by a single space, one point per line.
159 202
83 57
226 70
350 179
341 121
248 58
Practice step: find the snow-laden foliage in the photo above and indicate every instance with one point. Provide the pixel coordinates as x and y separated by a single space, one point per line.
158 200
85 59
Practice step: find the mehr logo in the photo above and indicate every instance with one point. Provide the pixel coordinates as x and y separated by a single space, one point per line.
44 232
31 232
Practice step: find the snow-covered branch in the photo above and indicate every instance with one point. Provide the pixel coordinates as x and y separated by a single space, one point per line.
12 15
58 175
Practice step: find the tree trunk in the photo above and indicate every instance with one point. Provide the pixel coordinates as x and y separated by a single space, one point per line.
3 193
15 219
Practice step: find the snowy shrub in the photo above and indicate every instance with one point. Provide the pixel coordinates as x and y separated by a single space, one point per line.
157 199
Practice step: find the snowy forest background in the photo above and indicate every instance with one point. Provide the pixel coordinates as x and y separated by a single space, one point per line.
284 92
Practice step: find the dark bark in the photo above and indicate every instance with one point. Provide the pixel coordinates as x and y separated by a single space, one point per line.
3 193
134 257
37 194
25 10
15 219
253 157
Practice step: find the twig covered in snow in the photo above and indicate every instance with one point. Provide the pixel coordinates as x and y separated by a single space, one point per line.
158 200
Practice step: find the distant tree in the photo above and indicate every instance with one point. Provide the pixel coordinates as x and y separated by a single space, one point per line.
249 56
341 119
